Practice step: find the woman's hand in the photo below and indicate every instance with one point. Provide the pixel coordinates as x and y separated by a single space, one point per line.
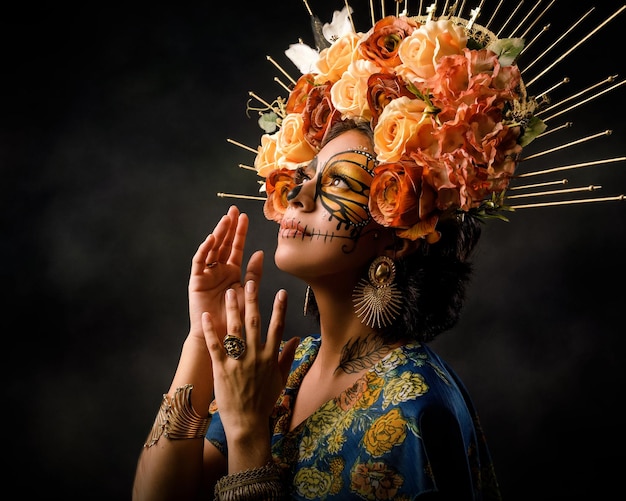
246 389
216 267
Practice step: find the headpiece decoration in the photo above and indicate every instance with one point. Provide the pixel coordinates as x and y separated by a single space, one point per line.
449 109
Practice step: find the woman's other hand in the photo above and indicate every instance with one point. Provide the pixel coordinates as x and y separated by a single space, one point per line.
216 267
246 388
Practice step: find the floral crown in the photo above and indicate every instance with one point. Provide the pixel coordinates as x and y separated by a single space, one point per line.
444 97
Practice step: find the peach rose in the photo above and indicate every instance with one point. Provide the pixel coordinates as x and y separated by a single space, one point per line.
292 148
335 59
421 51
398 127
349 93
265 160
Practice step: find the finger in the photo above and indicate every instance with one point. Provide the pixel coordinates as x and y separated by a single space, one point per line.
238 240
254 270
199 259
233 315
277 321
285 359
252 316
228 237
211 252
213 343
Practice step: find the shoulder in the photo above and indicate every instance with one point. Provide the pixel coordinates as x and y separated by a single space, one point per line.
422 382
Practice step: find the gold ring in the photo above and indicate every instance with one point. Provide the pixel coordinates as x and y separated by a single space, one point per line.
210 265
235 346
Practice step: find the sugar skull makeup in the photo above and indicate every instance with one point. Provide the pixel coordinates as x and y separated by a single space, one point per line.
343 186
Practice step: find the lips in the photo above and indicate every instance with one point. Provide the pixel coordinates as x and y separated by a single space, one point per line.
291 228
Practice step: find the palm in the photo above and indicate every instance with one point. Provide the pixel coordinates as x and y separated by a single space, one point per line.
217 267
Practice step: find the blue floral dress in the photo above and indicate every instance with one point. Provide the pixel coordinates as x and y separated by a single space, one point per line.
372 441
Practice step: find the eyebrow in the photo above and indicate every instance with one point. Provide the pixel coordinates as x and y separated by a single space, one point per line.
312 165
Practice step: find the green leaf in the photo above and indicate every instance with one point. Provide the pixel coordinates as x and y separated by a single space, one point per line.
268 122
507 49
532 130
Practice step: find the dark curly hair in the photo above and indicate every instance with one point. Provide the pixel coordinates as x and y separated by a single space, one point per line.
433 279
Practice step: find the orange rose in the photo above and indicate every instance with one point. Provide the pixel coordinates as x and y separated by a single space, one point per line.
394 193
318 115
383 40
297 97
278 184
382 88
401 198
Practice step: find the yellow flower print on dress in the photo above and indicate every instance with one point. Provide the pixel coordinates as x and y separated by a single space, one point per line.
312 484
322 421
303 348
336 440
386 432
307 447
408 386
375 481
396 358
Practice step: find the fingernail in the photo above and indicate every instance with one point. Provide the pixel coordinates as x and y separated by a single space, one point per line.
230 294
282 295
250 286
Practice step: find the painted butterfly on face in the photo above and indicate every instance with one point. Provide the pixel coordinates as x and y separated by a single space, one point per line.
343 186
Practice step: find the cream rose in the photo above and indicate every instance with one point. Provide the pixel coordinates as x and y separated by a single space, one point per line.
349 94
265 160
335 59
292 148
421 51
398 128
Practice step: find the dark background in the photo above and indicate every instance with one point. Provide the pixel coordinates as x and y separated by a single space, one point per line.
113 147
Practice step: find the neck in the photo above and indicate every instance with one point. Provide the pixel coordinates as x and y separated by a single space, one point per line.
348 346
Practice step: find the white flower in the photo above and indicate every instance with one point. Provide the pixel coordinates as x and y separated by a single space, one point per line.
303 56
339 26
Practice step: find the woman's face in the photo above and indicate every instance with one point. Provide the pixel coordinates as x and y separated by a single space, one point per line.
327 228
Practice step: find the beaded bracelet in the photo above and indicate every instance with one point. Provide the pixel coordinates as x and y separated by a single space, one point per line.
177 419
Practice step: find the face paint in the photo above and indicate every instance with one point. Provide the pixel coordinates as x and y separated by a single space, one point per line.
343 187
301 175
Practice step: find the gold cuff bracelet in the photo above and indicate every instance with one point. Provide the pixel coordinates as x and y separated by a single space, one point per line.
177 419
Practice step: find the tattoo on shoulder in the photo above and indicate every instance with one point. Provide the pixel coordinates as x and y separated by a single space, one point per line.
362 353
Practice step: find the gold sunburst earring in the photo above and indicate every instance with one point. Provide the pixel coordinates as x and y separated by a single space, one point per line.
377 300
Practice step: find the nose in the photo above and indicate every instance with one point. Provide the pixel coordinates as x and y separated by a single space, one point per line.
303 195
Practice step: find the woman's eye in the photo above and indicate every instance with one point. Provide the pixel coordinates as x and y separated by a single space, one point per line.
339 182
301 176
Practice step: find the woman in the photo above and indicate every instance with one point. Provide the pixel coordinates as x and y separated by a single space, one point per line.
367 410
